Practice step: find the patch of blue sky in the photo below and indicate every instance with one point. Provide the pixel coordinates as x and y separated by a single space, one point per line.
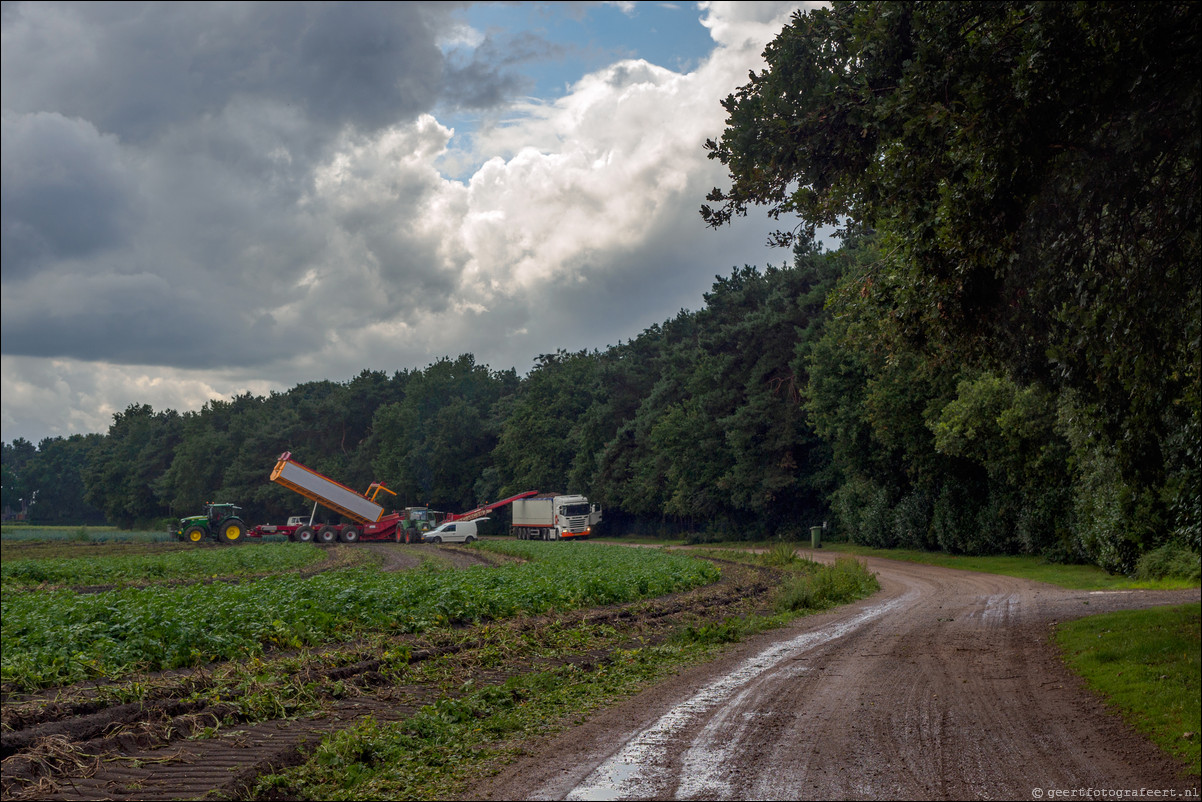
548 47
555 44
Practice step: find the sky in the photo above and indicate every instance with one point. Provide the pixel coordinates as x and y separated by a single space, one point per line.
200 200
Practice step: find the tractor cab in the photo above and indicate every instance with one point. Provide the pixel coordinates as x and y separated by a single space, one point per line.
219 512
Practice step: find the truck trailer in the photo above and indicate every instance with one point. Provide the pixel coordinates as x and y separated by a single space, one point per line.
554 517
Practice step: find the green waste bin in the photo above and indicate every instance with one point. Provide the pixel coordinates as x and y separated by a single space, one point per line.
816 536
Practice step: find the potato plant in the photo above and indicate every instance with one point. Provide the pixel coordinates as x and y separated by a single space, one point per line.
190 564
55 637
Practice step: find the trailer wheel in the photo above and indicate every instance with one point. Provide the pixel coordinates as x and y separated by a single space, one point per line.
327 534
349 534
303 535
195 534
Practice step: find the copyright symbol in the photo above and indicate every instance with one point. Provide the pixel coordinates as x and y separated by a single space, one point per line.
1037 793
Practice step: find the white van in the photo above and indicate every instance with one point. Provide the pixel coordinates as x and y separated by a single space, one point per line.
456 532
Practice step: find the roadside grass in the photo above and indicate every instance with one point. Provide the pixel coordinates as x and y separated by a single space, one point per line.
1073 577
470 732
1147 664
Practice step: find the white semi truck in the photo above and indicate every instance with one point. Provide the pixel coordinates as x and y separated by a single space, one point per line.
554 517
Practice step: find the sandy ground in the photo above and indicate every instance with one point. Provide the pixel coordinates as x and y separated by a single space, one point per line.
942 686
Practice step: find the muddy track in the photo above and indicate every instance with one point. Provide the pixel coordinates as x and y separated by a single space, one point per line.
80 748
943 686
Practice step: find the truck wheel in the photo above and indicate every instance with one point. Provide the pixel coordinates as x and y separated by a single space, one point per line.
349 534
436 540
469 539
195 534
303 535
327 534
231 532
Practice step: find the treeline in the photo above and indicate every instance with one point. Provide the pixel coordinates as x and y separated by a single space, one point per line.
695 423
1004 355
775 406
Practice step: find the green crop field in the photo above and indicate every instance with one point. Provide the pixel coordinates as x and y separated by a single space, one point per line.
19 533
185 563
60 636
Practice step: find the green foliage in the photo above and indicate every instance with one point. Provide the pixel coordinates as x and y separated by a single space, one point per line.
434 444
728 631
194 563
1170 560
780 554
1030 172
544 441
720 439
825 586
94 534
125 468
59 636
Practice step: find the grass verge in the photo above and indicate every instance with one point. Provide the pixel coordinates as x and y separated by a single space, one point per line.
1147 664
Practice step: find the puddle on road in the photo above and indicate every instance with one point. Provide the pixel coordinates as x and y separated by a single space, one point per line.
641 767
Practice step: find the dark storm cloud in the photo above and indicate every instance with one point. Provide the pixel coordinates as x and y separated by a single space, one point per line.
159 163
135 69
63 195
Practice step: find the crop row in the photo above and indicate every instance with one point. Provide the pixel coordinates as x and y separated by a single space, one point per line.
54 637
194 563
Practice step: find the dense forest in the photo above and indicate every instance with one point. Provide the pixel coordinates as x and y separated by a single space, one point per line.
1002 356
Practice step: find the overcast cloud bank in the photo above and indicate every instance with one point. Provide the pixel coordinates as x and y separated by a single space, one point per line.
201 200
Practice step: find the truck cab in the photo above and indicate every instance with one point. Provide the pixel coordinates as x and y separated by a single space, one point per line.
554 517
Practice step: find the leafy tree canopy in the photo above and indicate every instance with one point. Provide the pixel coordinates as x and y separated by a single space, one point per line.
1032 169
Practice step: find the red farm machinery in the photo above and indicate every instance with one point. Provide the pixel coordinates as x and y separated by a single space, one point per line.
366 516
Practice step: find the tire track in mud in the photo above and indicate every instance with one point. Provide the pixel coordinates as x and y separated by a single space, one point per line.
82 750
943 686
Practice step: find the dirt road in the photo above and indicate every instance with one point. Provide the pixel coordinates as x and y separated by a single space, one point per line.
942 686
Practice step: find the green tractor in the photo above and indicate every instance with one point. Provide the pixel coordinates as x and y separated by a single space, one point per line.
220 521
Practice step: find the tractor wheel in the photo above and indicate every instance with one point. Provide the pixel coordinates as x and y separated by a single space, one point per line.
303 535
195 534
231 531
327 534
349 534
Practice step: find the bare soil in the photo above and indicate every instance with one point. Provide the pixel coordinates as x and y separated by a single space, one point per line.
945 685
